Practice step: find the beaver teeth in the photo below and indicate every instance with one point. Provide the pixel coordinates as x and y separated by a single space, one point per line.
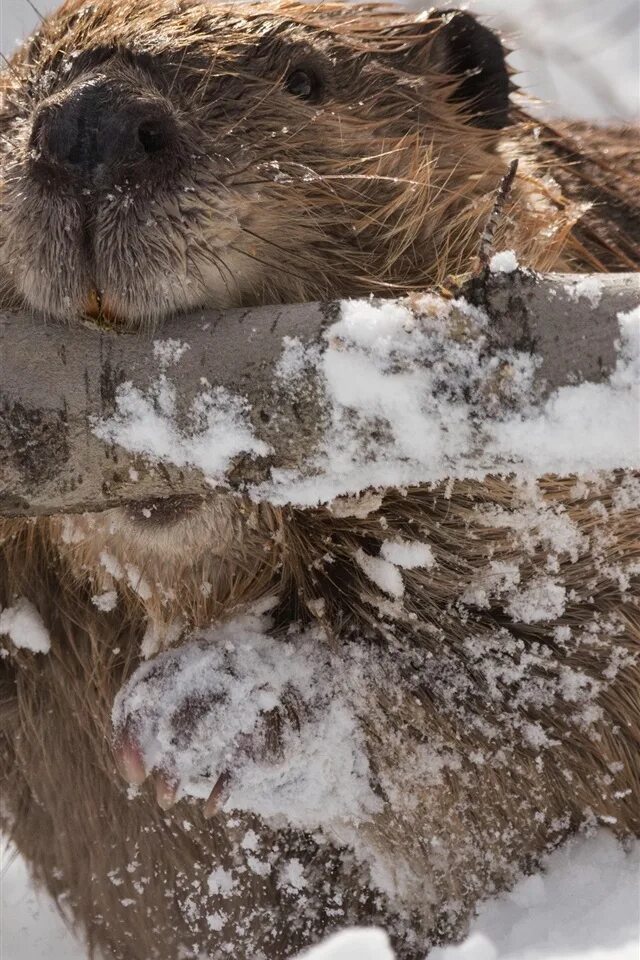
97 308
93 306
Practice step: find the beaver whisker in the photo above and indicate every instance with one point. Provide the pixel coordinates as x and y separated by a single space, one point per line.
370 177
205 79
223 268
273 265
325 177
272 243
176 71
246 115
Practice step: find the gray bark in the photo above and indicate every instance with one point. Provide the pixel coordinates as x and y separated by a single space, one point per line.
55 379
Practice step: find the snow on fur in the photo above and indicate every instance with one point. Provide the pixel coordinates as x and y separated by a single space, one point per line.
24 626
230 678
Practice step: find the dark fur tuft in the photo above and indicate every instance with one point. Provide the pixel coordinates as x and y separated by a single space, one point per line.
475 53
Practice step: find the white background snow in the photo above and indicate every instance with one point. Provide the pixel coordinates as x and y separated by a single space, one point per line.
582 58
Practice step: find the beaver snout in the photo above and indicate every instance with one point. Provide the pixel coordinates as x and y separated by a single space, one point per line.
103 135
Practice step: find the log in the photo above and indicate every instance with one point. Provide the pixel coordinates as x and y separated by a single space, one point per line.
57 381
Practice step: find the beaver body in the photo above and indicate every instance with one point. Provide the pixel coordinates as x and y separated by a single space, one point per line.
170 155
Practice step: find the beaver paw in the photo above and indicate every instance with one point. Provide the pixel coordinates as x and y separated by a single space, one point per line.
221 714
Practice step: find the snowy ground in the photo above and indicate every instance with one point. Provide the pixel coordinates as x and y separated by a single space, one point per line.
584 906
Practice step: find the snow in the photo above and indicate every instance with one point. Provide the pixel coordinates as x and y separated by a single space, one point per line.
147 423
411 395
503 262
412 400
589 287
169 351
407 554
356 944
111 565
220 881
24 626
542 599
106 601
31 927
497 578
381 572
137 582
583 905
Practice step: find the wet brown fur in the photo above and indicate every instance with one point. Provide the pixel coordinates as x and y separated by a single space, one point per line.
483 759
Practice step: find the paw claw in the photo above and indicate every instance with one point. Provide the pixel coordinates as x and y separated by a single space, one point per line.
166 791
218 796
129 762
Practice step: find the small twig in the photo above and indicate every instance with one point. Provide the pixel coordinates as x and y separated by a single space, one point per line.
485 248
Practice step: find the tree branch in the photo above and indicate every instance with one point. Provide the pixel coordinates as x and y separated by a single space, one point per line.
57 381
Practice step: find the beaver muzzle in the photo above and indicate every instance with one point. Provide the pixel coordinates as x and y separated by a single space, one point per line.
101 133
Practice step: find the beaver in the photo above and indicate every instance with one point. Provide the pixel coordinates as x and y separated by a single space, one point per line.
165 155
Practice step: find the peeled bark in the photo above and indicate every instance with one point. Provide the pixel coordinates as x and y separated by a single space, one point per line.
56 380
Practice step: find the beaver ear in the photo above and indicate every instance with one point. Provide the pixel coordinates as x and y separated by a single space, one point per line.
454 43
471 51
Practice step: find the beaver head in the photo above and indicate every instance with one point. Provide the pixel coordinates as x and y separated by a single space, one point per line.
162 156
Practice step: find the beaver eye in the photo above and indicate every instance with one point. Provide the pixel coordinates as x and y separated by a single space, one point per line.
304 84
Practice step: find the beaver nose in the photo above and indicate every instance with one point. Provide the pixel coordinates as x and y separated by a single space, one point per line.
103 135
